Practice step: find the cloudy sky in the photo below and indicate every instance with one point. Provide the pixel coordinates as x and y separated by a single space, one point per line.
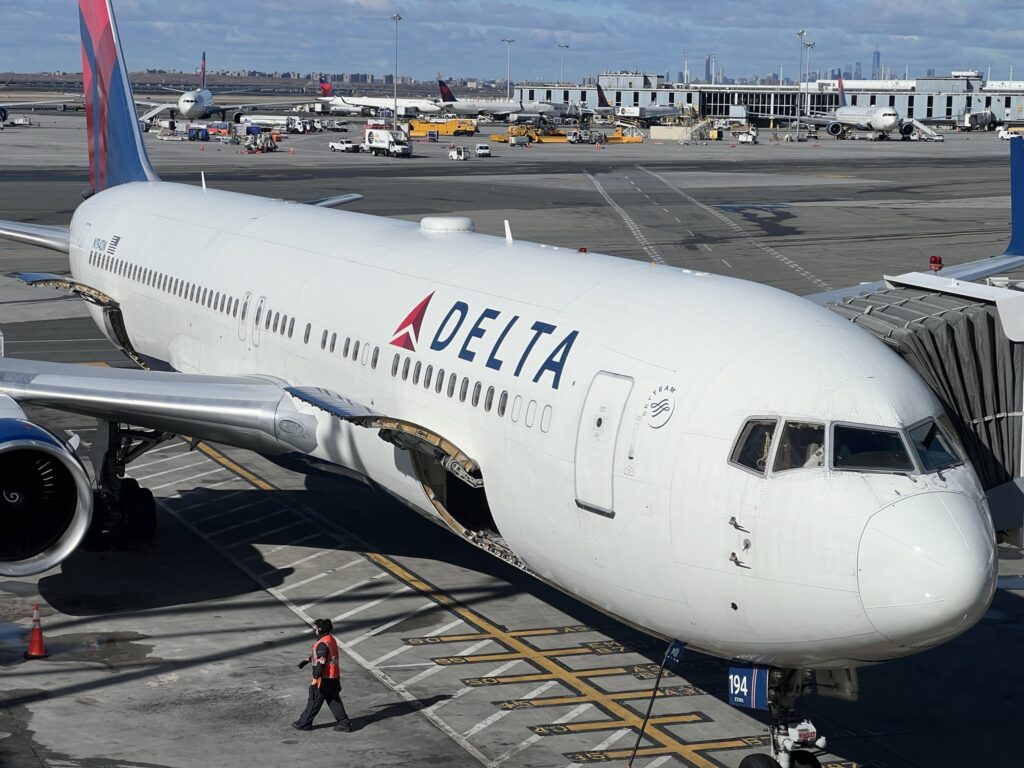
463 37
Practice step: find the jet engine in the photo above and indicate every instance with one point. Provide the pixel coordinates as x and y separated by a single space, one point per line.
835 129
236 117
45 499
3 115
906 129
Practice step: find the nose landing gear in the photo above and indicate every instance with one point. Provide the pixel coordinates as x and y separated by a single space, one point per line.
792 738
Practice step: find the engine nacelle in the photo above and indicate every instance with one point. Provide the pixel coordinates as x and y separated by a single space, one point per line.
236 117
45 499
835 129
906 129
3 115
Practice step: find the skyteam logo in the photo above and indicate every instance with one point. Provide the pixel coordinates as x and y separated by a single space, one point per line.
660 405
407 334
498 339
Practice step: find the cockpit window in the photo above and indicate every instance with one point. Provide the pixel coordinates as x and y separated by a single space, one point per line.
802 445
869 449
754 444
934 449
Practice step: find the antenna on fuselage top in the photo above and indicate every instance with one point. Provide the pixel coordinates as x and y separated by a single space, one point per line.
202 175
508 232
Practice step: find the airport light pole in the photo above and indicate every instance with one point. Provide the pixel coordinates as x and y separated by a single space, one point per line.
394 117
561 71
508 66
801 34
807 79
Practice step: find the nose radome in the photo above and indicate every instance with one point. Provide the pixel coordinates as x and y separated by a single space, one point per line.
927 568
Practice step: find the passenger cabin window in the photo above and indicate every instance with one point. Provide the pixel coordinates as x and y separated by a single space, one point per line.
802 445
869 450
934 449
428 376
305 336
754 444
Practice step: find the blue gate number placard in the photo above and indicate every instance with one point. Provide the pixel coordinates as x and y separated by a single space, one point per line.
748 687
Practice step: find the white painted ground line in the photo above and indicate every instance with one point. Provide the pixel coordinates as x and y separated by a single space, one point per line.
168 471
342 591
604 744
328 572
224 512
390 624
403 648
191 477
205 503
135 465
529 741
247 521
500 670
489 721
372 603
435 669
262 555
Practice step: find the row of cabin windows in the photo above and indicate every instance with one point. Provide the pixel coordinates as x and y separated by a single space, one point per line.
183 289
275 322
452 386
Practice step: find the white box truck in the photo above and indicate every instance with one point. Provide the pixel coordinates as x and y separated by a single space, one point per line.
386 141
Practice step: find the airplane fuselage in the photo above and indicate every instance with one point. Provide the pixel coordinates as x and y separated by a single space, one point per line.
196 105
602 399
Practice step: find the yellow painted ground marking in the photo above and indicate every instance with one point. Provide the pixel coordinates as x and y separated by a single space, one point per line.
573 679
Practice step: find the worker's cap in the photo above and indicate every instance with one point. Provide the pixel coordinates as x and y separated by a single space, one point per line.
322 626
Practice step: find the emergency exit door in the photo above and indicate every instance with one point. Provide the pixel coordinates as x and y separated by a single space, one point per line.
596 439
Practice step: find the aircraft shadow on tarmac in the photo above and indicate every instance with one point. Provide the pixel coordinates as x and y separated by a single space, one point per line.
943 707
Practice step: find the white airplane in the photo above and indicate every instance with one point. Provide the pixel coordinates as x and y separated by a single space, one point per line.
709 459
7 106
200 103
498 109
361 105
880 120
646 114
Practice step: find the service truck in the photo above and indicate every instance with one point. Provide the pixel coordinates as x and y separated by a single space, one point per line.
386 141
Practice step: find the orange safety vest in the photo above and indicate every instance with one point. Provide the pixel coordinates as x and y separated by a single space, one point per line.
332 666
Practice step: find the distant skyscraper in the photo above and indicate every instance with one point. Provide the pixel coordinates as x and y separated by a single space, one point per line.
930 73
707 68
876 65
856 71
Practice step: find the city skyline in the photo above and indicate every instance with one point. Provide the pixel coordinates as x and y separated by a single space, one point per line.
462 38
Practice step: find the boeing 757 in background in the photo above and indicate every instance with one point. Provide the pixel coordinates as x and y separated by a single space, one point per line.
554 408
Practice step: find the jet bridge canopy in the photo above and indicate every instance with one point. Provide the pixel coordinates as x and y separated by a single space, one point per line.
959 345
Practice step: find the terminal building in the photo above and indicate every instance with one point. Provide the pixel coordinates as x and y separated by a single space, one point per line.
949 100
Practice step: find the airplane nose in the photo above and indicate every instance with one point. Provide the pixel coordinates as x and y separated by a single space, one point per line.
927 568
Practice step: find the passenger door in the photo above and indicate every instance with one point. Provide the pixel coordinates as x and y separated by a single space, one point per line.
243 315
598 433
257 318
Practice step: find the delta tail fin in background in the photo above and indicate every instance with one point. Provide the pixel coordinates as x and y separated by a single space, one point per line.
202 73
446 93
116 152
842 93
602 100
325 88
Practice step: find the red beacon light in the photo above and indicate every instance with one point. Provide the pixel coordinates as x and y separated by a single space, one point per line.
582 249
935 263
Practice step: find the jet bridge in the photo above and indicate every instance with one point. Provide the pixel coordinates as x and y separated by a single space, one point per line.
967 341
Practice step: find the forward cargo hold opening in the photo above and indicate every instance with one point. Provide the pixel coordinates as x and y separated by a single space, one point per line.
462 506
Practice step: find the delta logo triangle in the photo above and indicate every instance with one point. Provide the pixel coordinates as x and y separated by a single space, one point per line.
407 334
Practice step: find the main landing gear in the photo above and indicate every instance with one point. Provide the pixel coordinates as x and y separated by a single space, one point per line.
792 737
123 511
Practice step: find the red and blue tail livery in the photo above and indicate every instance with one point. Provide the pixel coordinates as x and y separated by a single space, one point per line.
446 93
202 73
325 87
116 152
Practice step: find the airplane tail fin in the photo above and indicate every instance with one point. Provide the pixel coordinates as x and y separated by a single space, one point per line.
446 93
325 87
1016 245
202 73
116 152
842 93
602 100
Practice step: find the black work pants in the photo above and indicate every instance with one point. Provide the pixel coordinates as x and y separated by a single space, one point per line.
328 691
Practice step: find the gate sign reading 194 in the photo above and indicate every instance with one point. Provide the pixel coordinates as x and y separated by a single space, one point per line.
748 687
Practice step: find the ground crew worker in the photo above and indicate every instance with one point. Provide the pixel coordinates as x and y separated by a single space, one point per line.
326 683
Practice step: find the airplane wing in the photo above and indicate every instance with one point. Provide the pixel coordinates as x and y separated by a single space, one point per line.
156 107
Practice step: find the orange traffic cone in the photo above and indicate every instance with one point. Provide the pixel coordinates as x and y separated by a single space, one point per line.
36 646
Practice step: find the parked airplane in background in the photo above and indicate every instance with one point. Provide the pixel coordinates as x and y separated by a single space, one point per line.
646 114
769 490
7 106
200 104
356 105
497 109
881 120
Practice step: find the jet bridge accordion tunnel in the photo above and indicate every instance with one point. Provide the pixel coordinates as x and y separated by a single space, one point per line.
967 341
